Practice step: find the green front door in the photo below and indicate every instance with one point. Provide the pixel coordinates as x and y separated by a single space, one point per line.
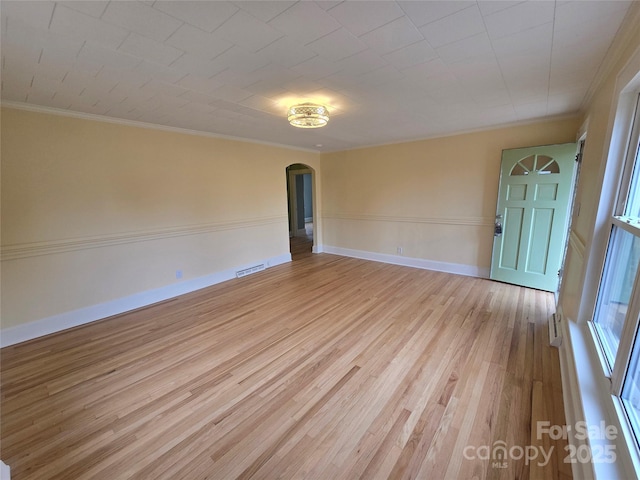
532 214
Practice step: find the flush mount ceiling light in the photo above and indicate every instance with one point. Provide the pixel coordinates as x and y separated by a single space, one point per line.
308 115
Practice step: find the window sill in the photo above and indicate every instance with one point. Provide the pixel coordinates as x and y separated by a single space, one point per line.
587 399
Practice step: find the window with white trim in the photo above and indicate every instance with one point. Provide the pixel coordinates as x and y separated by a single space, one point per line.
617 310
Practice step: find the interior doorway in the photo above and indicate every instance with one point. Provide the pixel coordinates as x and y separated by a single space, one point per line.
300 193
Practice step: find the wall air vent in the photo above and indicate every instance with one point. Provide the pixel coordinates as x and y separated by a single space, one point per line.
248 271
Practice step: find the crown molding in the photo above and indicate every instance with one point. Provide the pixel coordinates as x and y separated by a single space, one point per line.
135 123
621 41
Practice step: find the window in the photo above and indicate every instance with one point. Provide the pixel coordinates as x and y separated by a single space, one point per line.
540 164
617 309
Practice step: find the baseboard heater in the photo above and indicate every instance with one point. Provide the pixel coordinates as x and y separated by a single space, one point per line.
249 270
555 337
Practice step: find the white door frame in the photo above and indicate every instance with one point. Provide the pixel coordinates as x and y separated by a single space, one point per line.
293 204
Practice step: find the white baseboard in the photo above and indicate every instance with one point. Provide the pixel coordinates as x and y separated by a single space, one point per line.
5 471
457 268
74 318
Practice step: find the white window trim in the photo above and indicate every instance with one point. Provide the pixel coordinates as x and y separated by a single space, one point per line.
594 386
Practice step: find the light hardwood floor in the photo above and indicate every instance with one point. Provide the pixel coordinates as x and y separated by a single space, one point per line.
324 368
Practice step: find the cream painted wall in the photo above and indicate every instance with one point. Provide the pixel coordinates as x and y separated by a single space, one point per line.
434 198
95 211
599 116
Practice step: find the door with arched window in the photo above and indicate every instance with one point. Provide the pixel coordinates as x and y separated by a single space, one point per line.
532 215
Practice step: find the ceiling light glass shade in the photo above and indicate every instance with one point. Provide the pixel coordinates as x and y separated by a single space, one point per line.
308 115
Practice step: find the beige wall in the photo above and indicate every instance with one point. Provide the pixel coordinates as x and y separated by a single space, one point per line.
95 211
434 198
598 119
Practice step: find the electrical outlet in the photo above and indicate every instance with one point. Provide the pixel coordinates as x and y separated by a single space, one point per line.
178 274
399 250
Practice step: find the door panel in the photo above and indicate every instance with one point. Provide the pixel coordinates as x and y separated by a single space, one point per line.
540 239
533 201
511 237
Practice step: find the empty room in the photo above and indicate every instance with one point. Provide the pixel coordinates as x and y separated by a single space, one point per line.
320 239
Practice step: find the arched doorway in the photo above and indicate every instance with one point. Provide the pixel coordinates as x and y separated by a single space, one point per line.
300 193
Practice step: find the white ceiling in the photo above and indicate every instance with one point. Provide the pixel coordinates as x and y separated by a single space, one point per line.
389 71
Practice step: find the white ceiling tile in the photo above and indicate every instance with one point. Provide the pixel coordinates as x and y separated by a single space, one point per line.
328 4
462 24
23 45
337 45
410 55
264 10
263 104
61 101
487 7
268 89
563 104
159 72
198 107
198 83
286 52
274 73
206 15
37 97
78 25
232 77
392 36
142 19
536 39
230 93
379 13
422 13
316 68
25 75
248 32
92 56
93 95
193 40
35 14
578 13
197 97
477 46
301 86
464 80
240 61
56 72
341 81
363 62
74 82
95 8
305 22
528 111
381 76
60 50
422 71
189 63
518 18
163 88
128 79
149 50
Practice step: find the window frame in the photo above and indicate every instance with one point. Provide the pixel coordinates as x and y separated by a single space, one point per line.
617 180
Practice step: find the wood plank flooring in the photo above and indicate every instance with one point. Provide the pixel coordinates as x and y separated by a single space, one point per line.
324 368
